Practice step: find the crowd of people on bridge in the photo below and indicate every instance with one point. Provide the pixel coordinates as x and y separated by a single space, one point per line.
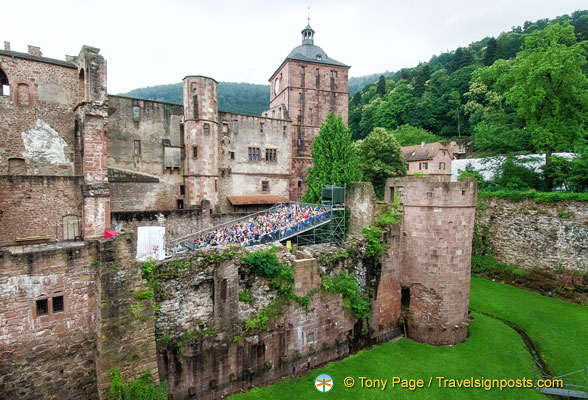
265 227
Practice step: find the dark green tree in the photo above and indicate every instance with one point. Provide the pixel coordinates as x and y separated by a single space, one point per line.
334 159
462 58
407 135
380 158
381 87
423 74
490 52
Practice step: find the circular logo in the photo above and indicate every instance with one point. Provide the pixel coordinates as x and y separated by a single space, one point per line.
323 383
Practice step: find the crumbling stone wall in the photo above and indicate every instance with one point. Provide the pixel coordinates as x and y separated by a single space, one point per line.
125 335
204 350
37 205
530 234
105 319
44 356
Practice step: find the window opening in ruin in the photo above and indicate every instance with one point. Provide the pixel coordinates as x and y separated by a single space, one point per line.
137 147
392 195
405 298
232 155
4 84
180 204
299 183
225 127
57 304
82 85
316 72
285 131
16 166
253 153
194 151
42 307
265 186
182 153
302 70
423 166
310 113
216 185
206 129
224 283
182 190
442 166
136 114
271 155
261 127
234 126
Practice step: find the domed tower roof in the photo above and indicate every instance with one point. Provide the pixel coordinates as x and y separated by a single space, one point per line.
309 52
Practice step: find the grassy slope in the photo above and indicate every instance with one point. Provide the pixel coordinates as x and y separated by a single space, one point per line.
558 328
493 350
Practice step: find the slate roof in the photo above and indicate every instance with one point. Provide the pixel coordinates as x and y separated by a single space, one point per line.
260 199
426 152
309 53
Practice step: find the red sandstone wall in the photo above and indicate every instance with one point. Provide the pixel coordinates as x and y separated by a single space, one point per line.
51 355
43 91
33 206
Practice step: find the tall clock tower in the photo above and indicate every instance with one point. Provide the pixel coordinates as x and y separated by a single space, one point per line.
309 84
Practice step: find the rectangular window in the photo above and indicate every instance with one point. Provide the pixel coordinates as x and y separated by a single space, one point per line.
182 153
285 131
442 166
335 74
42 307
137 147
182 190
234 126
225 127
265 186
442 152
316 72
253 153
58 304
206 129
216 185
195 152
302 70
232 155
271 155
180 204
136 114
310 113
332 74
299 96
261 127
423 166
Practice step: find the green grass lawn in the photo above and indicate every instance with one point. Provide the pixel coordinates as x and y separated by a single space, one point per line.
492 351
558 328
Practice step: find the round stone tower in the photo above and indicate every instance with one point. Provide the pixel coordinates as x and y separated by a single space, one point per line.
435 251
201 140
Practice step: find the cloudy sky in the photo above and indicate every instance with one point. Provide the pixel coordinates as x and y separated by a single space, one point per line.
150 42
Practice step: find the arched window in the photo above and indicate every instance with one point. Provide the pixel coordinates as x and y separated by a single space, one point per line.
82 85
4 84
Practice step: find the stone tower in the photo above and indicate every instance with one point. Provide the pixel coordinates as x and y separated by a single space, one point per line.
201 140
309 84
431 269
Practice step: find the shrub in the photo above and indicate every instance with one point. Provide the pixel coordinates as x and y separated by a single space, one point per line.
345 284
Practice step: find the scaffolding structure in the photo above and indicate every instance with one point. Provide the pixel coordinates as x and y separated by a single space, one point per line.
332 232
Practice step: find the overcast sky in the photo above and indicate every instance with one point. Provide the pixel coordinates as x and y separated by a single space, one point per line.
149 43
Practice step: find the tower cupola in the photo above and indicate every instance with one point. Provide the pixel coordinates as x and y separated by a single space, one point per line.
308 35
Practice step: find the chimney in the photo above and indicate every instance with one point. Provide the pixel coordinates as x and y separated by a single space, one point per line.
35 51
422 144
6 45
